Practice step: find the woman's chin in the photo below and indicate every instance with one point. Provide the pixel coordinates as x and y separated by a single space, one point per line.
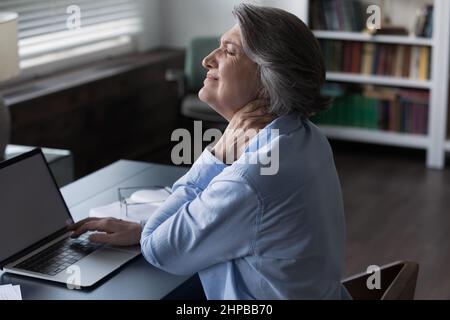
214 104
203 96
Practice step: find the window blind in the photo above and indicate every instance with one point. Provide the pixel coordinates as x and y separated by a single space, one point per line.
48 29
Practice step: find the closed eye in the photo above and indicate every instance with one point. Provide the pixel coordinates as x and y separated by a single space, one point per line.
229 52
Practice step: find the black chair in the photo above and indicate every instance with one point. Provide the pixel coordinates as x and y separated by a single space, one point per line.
398 282
5 127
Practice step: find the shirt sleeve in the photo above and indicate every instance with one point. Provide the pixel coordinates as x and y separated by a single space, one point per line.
198 177
209 218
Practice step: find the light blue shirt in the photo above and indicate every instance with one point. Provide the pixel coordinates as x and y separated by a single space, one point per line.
254 236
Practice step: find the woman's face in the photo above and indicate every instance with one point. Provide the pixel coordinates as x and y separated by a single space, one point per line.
232 79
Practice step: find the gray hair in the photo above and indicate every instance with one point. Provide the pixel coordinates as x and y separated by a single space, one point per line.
290 61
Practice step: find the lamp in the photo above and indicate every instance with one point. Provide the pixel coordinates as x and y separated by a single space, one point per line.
9 67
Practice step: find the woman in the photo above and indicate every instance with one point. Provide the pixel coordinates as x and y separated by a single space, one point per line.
250 235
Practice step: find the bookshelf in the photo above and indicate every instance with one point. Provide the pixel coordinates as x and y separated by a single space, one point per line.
435 143
378 80
377 136
358 36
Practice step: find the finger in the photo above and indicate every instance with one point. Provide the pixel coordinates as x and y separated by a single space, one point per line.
243 140
95 225
268 118
257 113
254 105
250 120
262 113
103 238
249 111
243 143
229 140
256 123
80 223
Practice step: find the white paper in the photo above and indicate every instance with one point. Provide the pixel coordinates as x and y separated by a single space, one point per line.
10 292
18 292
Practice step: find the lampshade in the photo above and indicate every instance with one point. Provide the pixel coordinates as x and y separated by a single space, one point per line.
9 49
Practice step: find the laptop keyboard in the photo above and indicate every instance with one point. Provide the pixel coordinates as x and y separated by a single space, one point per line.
59 256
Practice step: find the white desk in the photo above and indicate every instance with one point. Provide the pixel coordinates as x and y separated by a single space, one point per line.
137 279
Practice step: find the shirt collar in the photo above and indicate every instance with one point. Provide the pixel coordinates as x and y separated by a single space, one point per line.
282 125
286 124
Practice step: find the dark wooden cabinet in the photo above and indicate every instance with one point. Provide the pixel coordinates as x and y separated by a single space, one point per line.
116 109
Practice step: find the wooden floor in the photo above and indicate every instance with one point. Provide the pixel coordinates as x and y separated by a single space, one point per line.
396 209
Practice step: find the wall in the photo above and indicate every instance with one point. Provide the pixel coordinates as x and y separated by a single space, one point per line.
297 7
152 25
182 20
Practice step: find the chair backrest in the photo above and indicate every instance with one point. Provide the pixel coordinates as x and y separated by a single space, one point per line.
198 49
398 282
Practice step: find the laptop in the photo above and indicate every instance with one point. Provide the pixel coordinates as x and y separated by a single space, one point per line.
34 240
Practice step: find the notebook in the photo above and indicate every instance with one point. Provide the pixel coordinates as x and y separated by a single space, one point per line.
10 292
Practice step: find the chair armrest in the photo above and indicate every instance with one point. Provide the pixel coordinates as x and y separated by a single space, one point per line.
180 78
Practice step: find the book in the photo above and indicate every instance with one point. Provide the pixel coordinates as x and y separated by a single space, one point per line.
368 58
424 63
10 292
338 15
424 22
398 61
379 108
414 63
356 57
429 22
405 61
392 30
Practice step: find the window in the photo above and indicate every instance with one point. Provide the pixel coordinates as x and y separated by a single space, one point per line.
53 32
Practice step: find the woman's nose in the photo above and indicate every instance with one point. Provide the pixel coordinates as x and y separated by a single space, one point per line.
210 61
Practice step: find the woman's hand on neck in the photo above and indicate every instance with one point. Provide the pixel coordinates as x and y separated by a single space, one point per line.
243 126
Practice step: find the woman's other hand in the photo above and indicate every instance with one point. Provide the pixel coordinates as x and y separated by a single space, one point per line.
243 127
109 231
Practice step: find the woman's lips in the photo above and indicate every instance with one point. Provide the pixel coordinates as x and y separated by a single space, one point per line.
211 77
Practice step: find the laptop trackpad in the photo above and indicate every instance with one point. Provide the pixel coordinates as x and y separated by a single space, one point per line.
97 265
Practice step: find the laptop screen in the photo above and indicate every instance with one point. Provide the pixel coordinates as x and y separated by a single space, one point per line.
31 207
